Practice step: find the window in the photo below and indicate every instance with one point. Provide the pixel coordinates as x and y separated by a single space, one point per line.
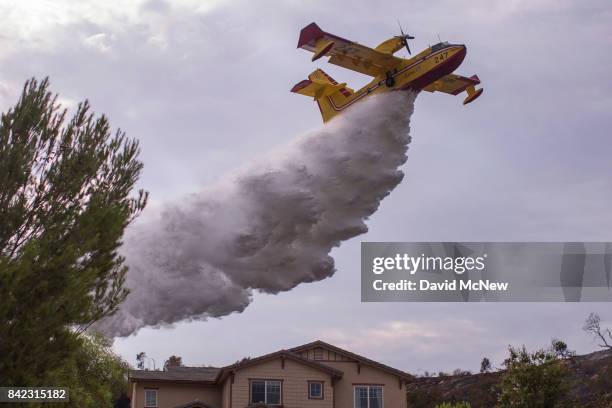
368 396
315 389
266 391
439 46
150 398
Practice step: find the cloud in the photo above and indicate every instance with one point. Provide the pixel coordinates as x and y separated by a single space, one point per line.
422 337
101 42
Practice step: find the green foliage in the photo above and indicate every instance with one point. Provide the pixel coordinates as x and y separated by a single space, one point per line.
140 359
173 361
454 405
485 365
94 374
64 203
559 347
458 372
534 380
421 398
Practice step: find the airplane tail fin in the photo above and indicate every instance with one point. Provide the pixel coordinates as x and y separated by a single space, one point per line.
326 92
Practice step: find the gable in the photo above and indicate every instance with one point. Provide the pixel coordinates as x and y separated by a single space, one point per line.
276 369
320 351
281 357
323 354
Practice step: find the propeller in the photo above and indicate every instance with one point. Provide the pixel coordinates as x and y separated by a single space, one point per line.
404 38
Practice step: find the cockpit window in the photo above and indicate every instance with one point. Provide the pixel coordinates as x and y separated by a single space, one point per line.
439 46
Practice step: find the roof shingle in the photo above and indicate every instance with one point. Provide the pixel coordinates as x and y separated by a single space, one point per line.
178 374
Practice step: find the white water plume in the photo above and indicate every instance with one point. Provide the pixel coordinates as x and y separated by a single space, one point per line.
268 228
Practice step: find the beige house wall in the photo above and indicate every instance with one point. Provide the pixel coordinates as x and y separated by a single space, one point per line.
226 393
294 377
170 395
393 395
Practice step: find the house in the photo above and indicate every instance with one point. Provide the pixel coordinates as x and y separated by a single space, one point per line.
315 375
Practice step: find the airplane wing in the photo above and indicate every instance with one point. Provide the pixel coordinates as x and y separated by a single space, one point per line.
345 53
455 84
390 46
452 84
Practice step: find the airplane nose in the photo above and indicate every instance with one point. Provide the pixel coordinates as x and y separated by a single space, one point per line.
457 58
462 51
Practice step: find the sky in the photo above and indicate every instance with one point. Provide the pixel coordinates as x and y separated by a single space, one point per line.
204 86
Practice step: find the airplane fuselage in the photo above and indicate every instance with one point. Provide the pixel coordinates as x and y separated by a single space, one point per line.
414 74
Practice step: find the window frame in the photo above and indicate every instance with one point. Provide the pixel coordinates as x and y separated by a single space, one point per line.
322 384
146 402
368 386
265 381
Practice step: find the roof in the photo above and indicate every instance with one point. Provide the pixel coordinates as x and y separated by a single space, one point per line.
212 375
178 374
215 375
361 359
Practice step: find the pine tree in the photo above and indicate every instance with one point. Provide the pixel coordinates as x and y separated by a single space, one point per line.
65 201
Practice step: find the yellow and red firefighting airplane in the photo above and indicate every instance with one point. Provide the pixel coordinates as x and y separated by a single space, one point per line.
430 70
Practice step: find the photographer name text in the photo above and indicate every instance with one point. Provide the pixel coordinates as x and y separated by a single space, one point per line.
446 286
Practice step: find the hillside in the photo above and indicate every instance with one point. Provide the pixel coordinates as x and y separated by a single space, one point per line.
590 382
